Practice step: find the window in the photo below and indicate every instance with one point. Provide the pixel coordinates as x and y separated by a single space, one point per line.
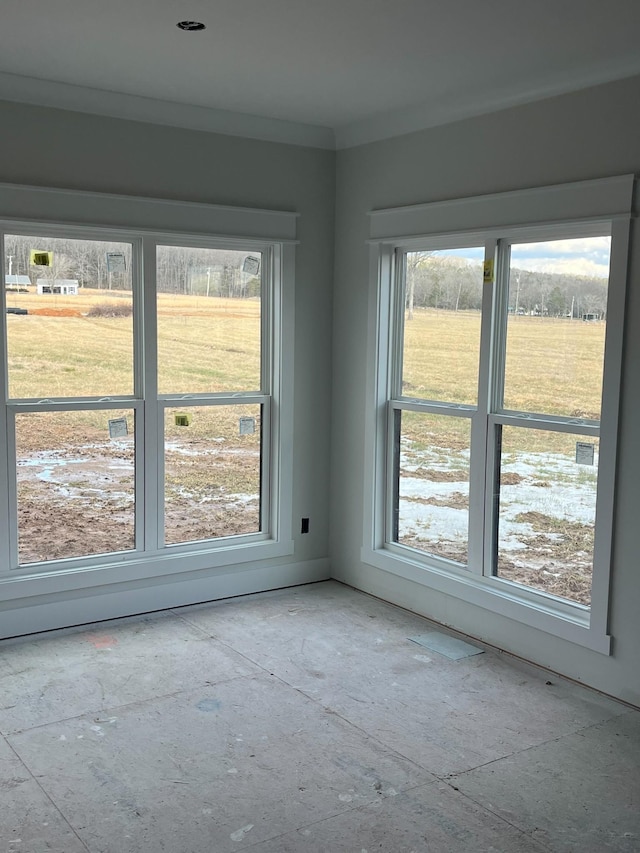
145 391
498 354
214 383
70 368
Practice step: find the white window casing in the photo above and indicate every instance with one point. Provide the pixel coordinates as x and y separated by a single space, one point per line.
146 223
560 212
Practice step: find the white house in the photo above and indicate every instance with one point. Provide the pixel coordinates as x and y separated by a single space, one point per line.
58 286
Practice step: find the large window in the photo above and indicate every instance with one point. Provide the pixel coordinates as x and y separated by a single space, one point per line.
142 395
494 448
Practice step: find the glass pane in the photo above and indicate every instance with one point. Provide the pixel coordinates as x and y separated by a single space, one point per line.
70 317
441 347
208 320
547 507
556 327
432 484
75 478
212 472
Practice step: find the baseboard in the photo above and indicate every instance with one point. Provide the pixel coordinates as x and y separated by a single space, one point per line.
26 616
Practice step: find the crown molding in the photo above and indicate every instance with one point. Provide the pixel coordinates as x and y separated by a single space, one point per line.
400 122
48 93
385 125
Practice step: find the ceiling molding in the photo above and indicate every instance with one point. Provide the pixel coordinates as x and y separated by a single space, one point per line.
385 125
48 93
434 114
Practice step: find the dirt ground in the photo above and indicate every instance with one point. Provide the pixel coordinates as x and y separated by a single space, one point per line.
550 575
78 500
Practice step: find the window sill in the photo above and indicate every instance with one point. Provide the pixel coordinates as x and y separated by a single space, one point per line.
537 610
158 567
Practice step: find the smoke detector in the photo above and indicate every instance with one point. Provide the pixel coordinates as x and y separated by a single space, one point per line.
190 26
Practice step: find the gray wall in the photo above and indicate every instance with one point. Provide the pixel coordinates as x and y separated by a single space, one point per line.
591 134
56 148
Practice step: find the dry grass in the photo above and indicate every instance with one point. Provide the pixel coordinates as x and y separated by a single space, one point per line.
213 344
212 347
441 355
554 366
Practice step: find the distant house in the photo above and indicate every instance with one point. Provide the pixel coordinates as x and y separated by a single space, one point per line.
17 282
59 286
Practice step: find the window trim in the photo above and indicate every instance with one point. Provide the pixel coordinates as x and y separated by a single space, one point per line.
30 210
581 207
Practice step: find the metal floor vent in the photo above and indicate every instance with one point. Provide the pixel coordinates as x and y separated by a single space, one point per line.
445 645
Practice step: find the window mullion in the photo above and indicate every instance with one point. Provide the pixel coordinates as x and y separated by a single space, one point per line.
137 284
398 284
477 471
12 489
7 510
267 274
397 271
494 401
499 326
149 452
391 491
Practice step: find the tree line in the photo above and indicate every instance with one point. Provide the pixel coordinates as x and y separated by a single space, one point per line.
455 284
179 269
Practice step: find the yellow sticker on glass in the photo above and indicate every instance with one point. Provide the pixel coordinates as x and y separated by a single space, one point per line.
40 259
487 272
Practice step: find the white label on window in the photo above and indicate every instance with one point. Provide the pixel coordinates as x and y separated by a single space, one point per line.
251 265
584 453
116 262
247 426
118 428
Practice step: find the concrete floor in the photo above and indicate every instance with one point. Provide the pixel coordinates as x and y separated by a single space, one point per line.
302 720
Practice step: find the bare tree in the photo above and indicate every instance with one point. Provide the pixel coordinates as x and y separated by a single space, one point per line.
415 260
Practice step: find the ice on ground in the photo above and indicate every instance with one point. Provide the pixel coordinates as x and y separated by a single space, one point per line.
433 523
549 484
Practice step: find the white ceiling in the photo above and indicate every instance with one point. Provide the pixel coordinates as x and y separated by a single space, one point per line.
316 73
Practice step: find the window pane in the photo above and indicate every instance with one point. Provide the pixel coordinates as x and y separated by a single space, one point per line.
208 320
547 503
70 320
75 479
441 346
431 505
212 472
556 327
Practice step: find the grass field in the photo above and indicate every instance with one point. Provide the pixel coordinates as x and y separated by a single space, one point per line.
553 365
213 345
203 345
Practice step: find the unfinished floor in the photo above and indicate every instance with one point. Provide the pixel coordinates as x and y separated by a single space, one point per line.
302 720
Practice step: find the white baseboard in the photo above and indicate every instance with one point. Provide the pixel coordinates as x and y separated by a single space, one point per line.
78 607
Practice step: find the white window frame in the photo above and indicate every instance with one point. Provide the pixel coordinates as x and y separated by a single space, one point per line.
590 207
146 223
